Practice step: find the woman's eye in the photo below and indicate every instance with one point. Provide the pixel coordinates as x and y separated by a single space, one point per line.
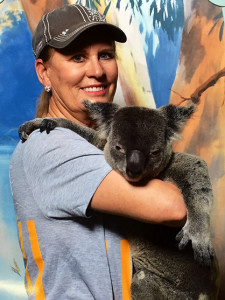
106 55
78 58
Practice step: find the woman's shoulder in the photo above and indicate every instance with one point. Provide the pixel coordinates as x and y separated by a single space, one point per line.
57 137
59 142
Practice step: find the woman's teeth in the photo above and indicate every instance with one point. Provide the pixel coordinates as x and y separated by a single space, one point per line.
94 89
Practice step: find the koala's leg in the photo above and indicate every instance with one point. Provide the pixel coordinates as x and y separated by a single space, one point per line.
190 173
146 287
48 124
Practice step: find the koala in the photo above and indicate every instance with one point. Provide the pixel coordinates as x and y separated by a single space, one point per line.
137 143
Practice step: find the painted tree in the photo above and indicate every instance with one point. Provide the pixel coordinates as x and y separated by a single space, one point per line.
200 77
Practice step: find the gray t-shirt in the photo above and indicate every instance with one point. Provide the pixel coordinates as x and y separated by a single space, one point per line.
69 253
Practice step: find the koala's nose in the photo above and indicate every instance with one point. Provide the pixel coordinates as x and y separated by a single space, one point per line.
135 163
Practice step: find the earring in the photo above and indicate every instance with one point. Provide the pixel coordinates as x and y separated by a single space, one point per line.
47 89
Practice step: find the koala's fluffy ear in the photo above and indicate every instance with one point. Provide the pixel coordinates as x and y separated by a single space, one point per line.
102 114
176 118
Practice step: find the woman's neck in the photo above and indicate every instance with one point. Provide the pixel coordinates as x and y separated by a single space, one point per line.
59 111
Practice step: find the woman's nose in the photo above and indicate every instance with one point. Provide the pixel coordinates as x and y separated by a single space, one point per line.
95 68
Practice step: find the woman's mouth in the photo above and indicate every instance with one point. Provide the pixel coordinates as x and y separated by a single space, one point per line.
95 90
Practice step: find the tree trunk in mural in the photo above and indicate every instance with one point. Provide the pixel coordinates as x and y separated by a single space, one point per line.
201 75
35 9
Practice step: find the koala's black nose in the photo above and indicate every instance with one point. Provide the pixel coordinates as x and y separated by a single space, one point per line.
135 163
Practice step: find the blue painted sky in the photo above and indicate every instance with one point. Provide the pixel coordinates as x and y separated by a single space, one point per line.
19 87
162 65
160 24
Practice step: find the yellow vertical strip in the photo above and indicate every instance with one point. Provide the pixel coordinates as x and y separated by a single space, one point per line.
28 286
106 246
38 288
126 269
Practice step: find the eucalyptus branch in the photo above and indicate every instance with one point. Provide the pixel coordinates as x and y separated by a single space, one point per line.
211 81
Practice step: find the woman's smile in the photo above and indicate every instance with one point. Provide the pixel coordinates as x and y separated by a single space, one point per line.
95 90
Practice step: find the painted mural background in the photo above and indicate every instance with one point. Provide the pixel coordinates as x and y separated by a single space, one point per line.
175 53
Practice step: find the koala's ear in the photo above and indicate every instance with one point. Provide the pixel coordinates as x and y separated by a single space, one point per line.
176 118
102 114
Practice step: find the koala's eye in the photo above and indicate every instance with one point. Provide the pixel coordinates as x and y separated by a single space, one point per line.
155 153
120 149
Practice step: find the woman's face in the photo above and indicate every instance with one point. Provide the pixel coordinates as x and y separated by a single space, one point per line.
89 72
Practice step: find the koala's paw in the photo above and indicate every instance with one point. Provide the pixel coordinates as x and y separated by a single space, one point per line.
201 244
48 125
28 127
22 134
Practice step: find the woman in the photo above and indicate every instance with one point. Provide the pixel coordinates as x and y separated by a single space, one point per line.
66 196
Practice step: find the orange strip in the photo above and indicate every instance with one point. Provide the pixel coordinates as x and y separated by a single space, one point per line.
38 288
106 246
28 285
126 269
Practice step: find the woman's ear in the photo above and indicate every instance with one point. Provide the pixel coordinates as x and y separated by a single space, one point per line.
41 70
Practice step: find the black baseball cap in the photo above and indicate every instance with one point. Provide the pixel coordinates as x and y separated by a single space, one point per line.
62 26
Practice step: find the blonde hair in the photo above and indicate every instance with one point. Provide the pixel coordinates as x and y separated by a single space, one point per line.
43 105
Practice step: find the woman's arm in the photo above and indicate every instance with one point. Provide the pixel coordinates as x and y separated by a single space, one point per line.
156 202
67 175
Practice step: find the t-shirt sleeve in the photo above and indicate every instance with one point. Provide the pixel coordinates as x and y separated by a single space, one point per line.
63 172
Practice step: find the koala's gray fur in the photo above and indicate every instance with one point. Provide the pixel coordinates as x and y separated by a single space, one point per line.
137 143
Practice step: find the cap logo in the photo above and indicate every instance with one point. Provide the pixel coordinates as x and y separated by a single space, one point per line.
64 37
95 16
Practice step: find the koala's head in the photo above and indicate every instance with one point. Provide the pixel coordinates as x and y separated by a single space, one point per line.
139 140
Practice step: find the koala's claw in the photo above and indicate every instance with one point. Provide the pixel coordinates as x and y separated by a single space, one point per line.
23 136
203 253
47 125
183 239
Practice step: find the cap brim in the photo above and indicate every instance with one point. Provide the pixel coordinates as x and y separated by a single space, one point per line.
109 31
